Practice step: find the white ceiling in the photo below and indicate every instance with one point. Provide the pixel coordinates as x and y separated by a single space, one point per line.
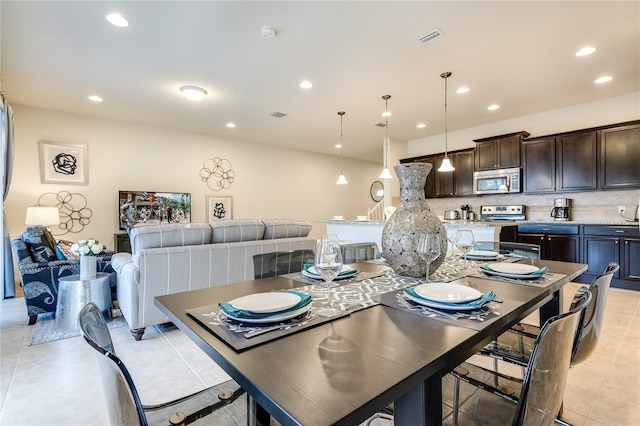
517 54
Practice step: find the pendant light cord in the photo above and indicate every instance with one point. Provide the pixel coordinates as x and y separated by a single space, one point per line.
341 114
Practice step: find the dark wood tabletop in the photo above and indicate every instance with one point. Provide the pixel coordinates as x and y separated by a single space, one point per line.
344 371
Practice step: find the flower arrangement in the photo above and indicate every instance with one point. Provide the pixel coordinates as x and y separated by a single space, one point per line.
90 247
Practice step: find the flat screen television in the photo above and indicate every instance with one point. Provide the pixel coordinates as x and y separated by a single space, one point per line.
144 208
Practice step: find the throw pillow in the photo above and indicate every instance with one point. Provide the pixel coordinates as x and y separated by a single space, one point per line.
285 228
38 240
65 247
59 254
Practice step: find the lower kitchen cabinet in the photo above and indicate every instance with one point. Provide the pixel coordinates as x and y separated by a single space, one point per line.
557 242
620 244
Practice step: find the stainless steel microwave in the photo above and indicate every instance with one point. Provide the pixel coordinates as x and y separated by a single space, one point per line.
499 181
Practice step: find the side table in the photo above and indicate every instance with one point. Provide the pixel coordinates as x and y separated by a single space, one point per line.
74 294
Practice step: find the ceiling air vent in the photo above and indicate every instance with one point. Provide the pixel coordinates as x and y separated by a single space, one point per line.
277 114
380 124
430 36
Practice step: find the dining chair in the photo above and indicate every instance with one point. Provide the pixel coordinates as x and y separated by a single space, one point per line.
509 249
281 262
359 252
515 345
534 399
123 401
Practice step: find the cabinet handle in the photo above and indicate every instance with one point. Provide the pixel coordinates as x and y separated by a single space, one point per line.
541 238
546 229
619 231
616 242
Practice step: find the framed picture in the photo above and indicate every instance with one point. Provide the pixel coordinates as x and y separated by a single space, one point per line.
61 163
219 207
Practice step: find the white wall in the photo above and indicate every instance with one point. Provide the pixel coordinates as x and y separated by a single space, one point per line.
270 182
608 111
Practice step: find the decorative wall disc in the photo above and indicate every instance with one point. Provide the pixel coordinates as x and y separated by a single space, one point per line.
74 213
217 174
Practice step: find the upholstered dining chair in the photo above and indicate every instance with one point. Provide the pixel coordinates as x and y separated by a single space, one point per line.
123 401
281 262
529 251
536 398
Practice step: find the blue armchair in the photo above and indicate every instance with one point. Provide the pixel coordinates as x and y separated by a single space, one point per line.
40 269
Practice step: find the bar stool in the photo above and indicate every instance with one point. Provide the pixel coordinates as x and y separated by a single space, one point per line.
359 252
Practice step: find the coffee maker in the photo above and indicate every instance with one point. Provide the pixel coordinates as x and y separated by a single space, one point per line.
561 210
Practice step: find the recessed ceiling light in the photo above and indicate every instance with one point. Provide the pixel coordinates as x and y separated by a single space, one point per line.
95 98
421 126
462 90
493 107
193 93
603 79
231 125
306 85
585 51
117 20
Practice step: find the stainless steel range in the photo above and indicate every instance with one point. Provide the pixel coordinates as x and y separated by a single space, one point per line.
502 213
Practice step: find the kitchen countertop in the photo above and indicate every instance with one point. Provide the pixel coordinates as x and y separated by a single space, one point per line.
504 223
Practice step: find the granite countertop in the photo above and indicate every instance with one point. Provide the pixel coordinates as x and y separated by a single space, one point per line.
616 222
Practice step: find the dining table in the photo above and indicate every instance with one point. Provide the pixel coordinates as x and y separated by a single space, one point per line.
343 370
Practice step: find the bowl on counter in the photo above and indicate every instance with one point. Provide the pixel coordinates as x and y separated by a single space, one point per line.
361 217
338 218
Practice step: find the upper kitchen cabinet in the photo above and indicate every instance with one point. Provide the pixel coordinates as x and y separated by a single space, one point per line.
448 184
576 167
539 165
620 157
499 152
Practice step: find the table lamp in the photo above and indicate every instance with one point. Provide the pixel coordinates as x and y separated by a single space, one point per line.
42 216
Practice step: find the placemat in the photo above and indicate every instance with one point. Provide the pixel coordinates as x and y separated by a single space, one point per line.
241 336
544 281
475 320
360 276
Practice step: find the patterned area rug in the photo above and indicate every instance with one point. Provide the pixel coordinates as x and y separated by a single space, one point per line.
45 330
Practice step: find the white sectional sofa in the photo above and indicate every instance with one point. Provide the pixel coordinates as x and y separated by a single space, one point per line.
172 258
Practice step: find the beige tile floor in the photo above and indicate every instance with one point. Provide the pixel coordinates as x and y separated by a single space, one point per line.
55 383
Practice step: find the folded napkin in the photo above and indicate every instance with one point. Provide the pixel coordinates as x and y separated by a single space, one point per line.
227 308
478 303
540 272
347 272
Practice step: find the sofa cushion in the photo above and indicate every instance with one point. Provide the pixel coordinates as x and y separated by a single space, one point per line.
169 235
236 230
40 242
285 228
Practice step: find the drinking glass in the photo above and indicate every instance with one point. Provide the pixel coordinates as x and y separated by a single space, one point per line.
429 249
328 265
464 242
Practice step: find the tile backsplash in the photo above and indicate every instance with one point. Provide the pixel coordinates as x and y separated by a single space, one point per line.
592 206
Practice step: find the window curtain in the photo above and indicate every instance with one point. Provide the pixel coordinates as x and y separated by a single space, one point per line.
6 136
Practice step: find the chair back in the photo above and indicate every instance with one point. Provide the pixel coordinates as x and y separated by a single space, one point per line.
524 250
281 262
359 252
546 374
588 334
123 402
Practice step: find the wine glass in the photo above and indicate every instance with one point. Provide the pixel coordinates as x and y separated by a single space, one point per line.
328 265
464 242
429 249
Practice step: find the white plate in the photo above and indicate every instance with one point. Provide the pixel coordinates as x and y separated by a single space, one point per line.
338 277
448 293
263 303
483 254
437 305
272 318
516 276
513 268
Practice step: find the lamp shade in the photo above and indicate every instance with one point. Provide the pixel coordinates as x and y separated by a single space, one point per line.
386 174
42 216
446 165
342 180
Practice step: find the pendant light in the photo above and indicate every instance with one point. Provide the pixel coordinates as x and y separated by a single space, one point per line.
385 148
446 164
341 179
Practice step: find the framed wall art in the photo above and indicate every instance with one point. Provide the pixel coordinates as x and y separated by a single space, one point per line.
219 207
60 163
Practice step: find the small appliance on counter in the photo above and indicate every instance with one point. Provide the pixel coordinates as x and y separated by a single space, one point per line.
502 213
451 215
561 211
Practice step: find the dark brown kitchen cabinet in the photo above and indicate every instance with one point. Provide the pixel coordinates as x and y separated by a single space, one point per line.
499 152
459 182
539 165
620 244
429 186
620 157
557 242
577 161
